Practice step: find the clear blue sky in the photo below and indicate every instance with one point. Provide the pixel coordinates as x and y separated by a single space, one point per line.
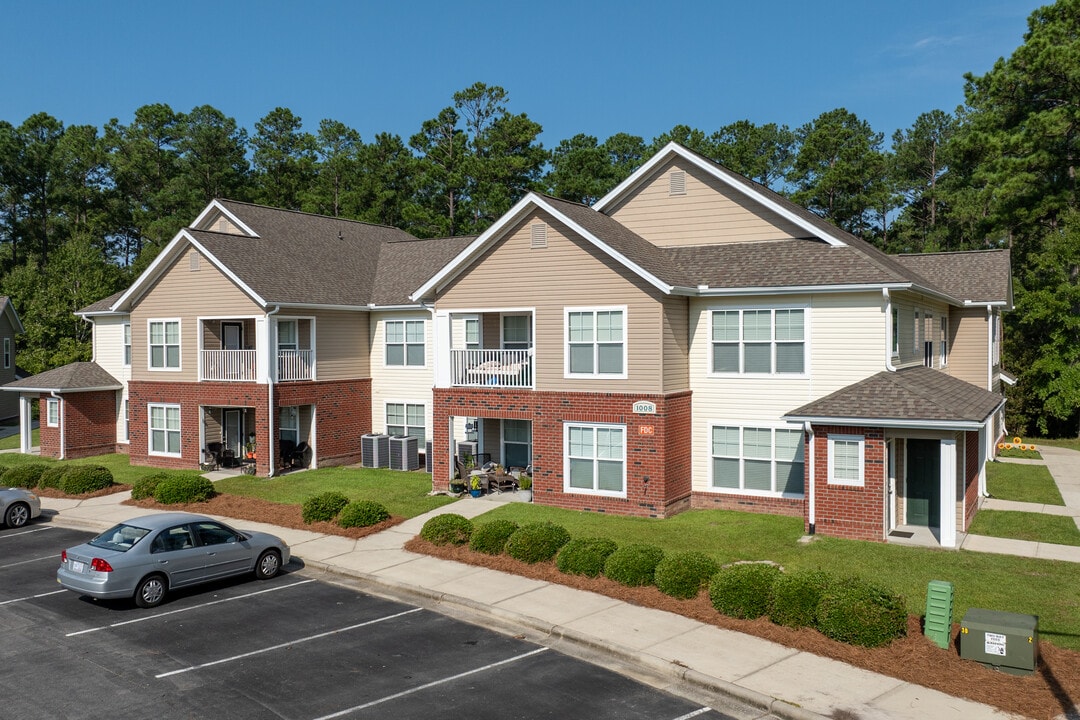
591 67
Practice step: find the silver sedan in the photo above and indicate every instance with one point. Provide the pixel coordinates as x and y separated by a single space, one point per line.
146 557
18 506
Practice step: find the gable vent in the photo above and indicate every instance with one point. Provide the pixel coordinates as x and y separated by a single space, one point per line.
539 235
677 182
193 259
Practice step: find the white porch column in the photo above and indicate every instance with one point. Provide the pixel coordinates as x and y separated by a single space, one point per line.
948 492
441 341
265 365
26 423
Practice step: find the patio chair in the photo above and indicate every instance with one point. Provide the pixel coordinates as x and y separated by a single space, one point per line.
288 450
212 456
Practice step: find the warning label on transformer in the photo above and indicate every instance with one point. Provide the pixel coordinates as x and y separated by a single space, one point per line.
995 644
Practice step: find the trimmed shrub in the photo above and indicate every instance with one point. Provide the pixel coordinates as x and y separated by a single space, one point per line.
82 479
53 475
24 476
448 529
742 590
144 487
323 507
795 598
362 513
490 538
4 469
634 564
536 542
184 489
585 556
858 612
684 574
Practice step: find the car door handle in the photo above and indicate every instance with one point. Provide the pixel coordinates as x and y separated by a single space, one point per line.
163 562
211 553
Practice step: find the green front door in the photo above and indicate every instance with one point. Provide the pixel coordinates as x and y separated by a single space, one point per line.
923 482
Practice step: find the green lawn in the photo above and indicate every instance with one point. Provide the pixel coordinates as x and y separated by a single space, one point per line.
124 473
11 442
1045 588
1022 483
1070 443
402 493
1057 529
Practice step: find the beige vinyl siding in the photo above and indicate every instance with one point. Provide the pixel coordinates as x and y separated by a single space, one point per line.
566 273
342 346
907 303
968 345
846 343
181 293
708 213
108 339
217 222
399 384
676 343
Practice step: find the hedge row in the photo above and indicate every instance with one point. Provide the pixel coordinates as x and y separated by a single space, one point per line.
69 478
850 610
332 505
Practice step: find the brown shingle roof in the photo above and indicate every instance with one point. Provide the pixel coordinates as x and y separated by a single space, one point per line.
405 265
73 377
908 395
982 275
101 305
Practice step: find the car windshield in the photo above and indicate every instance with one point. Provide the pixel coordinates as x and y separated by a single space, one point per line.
119 537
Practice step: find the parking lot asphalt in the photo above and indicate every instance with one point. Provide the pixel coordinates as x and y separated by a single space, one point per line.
295 646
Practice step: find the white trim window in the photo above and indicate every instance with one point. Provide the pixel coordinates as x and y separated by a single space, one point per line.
944 344
164 423
515 332
163 344
896 332
405 343
846 454
7 353
517 443
758 460
289 424
595 459
52 412
287 335
472 333
127 344
596 342
763 341
405 419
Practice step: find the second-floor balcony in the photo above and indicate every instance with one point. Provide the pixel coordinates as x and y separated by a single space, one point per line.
492 368
242 365
295 365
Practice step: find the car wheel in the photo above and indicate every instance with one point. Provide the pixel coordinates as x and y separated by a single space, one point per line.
17 515
151 591
268 565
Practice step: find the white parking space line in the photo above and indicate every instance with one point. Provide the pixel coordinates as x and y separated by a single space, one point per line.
25 532
31 597
291 643
699 711
431 684
193 607
54 556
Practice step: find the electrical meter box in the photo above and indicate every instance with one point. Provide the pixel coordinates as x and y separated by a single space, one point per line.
1001 640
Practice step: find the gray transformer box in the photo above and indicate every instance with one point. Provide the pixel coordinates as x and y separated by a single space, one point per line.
1002 640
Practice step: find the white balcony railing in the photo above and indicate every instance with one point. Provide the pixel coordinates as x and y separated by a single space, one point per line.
235 365
295 365
491 368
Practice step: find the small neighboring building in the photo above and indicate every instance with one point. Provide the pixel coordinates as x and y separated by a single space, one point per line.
10 327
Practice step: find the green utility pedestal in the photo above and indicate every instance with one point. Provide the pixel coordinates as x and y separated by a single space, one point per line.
939 605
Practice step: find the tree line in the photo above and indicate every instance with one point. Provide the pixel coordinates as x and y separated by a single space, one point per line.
83 209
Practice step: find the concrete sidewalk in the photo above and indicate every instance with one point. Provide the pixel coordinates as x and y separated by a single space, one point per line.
668 651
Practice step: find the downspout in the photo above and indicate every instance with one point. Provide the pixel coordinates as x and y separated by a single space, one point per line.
990 348
271 379
60 412
888 329
811 515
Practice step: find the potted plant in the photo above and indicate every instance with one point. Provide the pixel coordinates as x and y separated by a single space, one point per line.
475 486
525 487
249 446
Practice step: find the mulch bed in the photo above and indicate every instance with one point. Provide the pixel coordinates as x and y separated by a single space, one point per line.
1052 691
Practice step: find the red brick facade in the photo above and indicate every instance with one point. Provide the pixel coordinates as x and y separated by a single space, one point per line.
657 445
848 511
342 412
89 425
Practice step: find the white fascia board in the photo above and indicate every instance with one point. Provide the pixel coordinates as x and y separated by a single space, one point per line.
61 391
100 313
984 303
720 174
797 289
890 422
215 205
314 306
451 269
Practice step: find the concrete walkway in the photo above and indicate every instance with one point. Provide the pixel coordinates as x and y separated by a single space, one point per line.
668 651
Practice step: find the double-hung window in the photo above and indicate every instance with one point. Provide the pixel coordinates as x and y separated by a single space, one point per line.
7 353
164 344
596 342
52 412
757 459
404 419
846 459
595 458
127 344
759 341
472 333
164 429
405 343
